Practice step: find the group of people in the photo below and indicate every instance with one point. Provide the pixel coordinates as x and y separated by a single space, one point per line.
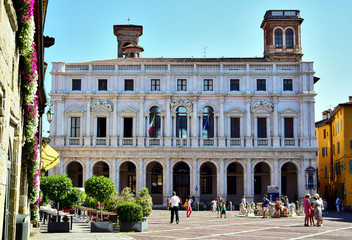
284 201
313 210
174 205
219 205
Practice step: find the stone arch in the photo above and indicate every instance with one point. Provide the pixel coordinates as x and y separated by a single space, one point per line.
243 164
154 105
146 163
99 168
262 178
208 173
289 180
216 163
127 160
154 180
128 175
74 170
235 175
208 105
175 162
181 172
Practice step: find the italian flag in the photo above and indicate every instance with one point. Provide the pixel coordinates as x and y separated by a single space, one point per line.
151 125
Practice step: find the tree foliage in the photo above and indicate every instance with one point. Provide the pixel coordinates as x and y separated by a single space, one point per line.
145 200
99 188
111 203
56 187
126 195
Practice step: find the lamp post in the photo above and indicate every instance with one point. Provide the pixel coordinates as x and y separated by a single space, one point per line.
49 113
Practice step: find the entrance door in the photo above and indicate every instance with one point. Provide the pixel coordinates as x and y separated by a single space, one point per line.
181 181
7 197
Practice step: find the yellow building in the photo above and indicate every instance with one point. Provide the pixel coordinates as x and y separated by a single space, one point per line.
334 161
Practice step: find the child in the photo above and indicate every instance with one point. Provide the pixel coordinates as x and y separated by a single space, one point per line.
223 209
311 215
213 204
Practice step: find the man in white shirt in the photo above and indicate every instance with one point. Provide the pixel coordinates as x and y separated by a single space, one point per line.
174 202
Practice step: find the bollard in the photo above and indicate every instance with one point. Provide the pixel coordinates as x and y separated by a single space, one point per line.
197 205
230 206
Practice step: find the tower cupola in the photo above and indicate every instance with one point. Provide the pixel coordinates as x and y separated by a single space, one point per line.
282 35
127 40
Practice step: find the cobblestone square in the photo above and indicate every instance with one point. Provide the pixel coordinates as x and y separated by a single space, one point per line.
206 225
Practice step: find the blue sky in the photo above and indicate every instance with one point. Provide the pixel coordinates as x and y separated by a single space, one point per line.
83 31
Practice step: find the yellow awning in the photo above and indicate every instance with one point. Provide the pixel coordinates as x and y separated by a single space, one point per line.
50 158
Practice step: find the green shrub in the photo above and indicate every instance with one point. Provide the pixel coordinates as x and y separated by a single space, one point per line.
145 200
129 212
56 187
73 197
111 203
126 195
89 201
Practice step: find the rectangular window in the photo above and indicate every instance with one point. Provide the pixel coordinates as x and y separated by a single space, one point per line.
234 84
338 147
261 85
127 127
155 85
76 84
181 84
208 84
102 85
288 85
101 128
129 85
288 122
326 172
337 168
350 165
324 133
261 128
350 143
235 127
75 126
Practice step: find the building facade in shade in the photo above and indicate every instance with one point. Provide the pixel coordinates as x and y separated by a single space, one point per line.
334 161
197 126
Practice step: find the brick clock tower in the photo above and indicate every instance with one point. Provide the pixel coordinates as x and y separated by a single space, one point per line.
282 35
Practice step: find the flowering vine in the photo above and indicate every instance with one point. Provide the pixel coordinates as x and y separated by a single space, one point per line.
29 77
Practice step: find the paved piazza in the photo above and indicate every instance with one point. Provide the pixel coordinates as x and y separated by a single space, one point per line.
205 225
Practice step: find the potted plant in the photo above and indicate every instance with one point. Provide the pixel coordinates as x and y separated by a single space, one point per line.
130 216
56 188
145 200
100 188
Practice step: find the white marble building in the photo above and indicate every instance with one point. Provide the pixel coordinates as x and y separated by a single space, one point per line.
224 126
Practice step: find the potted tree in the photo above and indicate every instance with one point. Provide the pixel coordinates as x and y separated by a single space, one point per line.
100 188
130 216
145 200
56 188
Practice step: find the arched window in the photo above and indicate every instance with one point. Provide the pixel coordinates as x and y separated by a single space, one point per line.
154 129
206 180
208 122
278 38
289 38
181 122
157 180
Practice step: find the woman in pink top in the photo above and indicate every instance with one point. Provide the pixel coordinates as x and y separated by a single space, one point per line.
306 205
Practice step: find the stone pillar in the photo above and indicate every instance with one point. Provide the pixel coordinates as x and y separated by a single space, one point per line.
141 134
114 124
222 124
249 142
249 179
166 183
62 170
193 178
87 168
117 175
195 126
275 124
276 173
140 175
221 176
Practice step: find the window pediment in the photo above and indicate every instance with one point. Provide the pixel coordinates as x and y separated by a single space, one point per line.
101 106
234 110
288 111
128 110
76 110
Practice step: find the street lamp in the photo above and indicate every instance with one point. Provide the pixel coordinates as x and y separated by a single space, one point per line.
49 113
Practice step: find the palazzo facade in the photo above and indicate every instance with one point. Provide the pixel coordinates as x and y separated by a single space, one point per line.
197 126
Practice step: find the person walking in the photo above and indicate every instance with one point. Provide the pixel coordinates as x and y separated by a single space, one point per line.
189 207
213 205
174 204
338 205
265 206
306 205
318 213
218 204
325 204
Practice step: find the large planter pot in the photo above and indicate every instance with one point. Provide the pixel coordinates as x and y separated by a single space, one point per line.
54 227
131 226
101 227
145 224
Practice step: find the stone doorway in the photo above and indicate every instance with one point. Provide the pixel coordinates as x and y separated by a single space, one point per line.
261 180
75 172
289 181
235 182
181 180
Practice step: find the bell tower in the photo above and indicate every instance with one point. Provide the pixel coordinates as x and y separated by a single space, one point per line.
127 40
282 35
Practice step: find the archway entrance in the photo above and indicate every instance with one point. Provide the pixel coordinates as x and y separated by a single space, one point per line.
75 172
101 169
235 182
155 182
261 180
289 181
128 176
208 182
181 180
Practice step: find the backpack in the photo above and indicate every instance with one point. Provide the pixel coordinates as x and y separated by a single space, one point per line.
186 203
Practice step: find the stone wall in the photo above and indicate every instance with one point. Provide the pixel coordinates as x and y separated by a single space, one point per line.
10 121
